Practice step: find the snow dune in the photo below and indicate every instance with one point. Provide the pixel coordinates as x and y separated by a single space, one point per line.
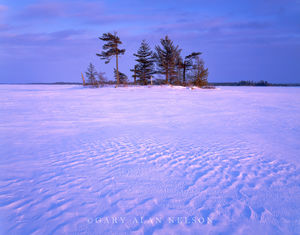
156 160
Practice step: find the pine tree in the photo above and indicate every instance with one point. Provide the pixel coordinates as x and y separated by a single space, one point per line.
166 59
134 70
145 67
178 67
199 73
123 78
111 49
101 78
188 63
91 75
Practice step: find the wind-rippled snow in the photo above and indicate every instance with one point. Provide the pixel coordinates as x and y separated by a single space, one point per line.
73 159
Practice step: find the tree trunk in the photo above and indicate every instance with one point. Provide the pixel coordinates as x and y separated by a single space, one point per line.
134 75
117 67
83 81
167 76
184 68
144 79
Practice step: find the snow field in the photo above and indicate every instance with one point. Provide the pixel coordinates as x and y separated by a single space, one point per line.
76 160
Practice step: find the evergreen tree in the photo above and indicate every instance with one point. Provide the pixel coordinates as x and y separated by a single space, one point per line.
91 75
123 78
188 63
145 67
166 58
199 73
111 49
134 70
101 78
178 67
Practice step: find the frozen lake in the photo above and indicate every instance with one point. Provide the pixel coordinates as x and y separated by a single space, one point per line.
156 160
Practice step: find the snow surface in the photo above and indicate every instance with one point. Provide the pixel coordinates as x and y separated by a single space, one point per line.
77 160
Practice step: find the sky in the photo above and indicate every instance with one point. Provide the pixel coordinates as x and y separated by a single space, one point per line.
52 41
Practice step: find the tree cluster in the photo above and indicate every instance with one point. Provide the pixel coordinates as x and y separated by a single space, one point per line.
166 60
95 79
252 83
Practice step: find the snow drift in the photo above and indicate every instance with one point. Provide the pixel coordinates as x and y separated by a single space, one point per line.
156 160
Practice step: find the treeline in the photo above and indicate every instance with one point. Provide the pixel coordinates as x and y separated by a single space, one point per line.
252 83
244 83
165 63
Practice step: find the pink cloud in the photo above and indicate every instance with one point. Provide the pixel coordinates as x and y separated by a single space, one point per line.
44 10
3 8
48 10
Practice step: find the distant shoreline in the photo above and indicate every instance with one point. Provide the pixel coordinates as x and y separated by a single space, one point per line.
112 83
269 85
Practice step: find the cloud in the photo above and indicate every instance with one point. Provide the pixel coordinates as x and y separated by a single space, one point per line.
42 39
226 31
66 34
216 27
42 10
59 47
5 27
93 13
3 8
212 25
3 13
64 31
250 25
54 10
